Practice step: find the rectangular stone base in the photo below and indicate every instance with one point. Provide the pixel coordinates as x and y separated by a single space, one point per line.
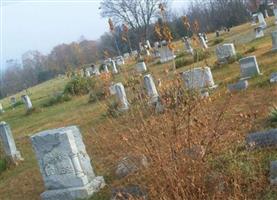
75 193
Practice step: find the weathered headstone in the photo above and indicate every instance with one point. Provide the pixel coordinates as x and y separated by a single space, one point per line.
122 97
188 45
151 88
249 67
1 108
27 101
114 68
273 78
274 40
134 53
199 78
112 89
8 143
266 139
165 54
203 42
254 19
273 173
126 55
65 165
148 44
13 101
225 52
241 85
261 20
106 69
141 67
120 60
275 14
259 32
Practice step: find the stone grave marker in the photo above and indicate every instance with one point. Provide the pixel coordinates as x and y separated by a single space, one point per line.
151 88
165 53
260 140
261 20
141 67
273 173
203 42
13 101
275 14
134 53
274 40
241 85
114 68
27 101
65 165
225 52
9 144
249 67
199 78
188 46
259 32
273 77
1 108
122 97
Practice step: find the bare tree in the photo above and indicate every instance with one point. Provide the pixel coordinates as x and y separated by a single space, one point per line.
138 14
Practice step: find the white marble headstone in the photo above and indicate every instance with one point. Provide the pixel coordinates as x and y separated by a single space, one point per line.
65 165
151 88
166 54
141 67
225 51
249 67
27 101
122 97
188 46
8 143
259 32
203 42
1 108
199 78
114 67
261 19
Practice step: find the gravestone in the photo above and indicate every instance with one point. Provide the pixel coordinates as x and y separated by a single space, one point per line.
65 165
249 67
27 101
273 173
8 143
217 33
134 53
225 52
199 78
273 78
120 60
188 46
126 55
114 68
275 14
259 32
151 88
261 19
203 42
266 13
141 67
106 69
274 40
165 54
1 108
112 89
122 97
260 140
254 20
148 44
241 85
13 101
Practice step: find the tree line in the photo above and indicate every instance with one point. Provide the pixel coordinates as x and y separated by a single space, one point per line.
140 17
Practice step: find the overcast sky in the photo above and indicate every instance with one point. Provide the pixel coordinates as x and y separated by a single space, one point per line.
41 25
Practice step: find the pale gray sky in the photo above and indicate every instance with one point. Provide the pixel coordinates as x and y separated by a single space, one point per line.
41 24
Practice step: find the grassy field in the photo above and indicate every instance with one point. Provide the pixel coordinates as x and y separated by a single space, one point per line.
25 182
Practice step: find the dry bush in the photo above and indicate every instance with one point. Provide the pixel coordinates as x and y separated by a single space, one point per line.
195 148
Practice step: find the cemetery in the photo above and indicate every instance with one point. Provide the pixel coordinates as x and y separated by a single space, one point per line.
192 117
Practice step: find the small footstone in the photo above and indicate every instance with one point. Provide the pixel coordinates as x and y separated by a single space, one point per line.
241 85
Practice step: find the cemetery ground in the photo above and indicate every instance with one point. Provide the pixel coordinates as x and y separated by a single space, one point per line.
236 172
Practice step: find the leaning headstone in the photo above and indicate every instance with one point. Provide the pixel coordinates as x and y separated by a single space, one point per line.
241 85
203 42
27 101
8 143
165 54
261 20
141 67
1 108
274 40
114 68
259 32
151 88
249 67
273 173
188 45
199 78
65 165
273 78
225 52
128 193
122 97
260 140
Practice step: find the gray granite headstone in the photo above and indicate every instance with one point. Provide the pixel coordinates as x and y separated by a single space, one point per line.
141 67
275 14
273 78
267 139
241 85
259 32
249 67
114 68
65 165
8 143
